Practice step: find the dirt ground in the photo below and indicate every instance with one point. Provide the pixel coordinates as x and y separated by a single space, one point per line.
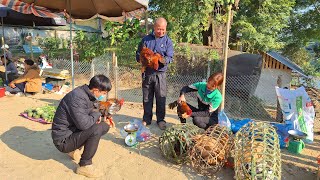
27 151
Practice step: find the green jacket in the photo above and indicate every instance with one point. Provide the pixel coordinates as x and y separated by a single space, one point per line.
212 99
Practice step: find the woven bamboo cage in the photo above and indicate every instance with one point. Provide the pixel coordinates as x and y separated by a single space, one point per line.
257 152
211 149
175 141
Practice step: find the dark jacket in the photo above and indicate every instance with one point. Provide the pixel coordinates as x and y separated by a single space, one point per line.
11 68
74 114
162 45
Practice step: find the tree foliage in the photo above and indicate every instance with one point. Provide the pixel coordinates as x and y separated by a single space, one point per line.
304 23
302 57
119 33
302 36
89 45
261 22
187 19
123 39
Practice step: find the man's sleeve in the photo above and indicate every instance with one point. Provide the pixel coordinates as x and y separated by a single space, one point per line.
170 52
80 116
139 50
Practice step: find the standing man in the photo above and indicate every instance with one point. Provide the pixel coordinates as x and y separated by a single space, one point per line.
76 124
154 81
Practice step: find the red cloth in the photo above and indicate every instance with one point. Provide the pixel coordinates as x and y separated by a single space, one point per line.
26 8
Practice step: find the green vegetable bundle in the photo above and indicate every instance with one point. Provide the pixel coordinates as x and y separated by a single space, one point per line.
45 112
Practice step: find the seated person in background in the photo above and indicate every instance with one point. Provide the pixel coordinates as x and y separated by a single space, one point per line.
6 49
30 82
11 70
209 99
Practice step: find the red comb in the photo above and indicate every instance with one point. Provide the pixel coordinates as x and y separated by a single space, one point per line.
189 112
121 101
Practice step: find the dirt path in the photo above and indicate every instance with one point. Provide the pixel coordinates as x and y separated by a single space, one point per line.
27 152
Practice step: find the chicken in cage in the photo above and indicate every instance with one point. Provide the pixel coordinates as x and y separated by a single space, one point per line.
211 149
176 140
257 152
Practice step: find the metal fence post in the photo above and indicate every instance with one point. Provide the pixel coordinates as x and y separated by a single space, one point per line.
279 115
92 69
116 76
209 68
108 74
108 70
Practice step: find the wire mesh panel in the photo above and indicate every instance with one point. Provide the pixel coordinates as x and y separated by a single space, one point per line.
257 152
102 65
130 84
82 70
176 82
247 96
242 100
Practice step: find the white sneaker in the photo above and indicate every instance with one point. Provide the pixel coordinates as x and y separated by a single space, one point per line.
19 94
7 93
89 171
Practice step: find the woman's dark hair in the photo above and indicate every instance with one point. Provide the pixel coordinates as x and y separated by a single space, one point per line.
216 79
29 62
100 82
8 60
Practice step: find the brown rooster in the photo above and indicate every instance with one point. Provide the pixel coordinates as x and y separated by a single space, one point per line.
150 59
111 106
182 108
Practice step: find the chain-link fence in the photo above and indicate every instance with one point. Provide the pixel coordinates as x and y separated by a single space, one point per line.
250 96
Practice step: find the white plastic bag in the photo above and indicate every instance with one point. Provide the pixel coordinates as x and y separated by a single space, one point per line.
143 133
297 107
223 119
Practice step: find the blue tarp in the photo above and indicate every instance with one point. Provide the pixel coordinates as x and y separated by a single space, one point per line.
35 49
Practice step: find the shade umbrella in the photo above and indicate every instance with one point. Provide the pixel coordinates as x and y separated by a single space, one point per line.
113 10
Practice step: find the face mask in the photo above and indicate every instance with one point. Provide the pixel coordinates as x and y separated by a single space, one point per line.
100 98
208 91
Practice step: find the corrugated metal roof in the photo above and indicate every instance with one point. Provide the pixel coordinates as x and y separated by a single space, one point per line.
286 62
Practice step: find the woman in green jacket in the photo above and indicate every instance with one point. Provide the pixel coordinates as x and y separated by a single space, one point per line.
209 100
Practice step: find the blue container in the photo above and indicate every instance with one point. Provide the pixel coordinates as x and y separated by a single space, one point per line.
47 86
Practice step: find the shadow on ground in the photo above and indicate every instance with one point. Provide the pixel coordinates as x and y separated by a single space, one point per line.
35 145
151 150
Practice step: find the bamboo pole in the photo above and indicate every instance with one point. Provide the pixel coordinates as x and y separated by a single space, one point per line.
225 60
146 22
116 69
4 53
71 46
279 116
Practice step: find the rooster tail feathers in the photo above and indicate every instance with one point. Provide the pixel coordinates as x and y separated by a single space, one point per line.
173 104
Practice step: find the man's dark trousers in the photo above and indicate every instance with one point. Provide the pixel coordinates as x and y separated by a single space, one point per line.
154 85
88 138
